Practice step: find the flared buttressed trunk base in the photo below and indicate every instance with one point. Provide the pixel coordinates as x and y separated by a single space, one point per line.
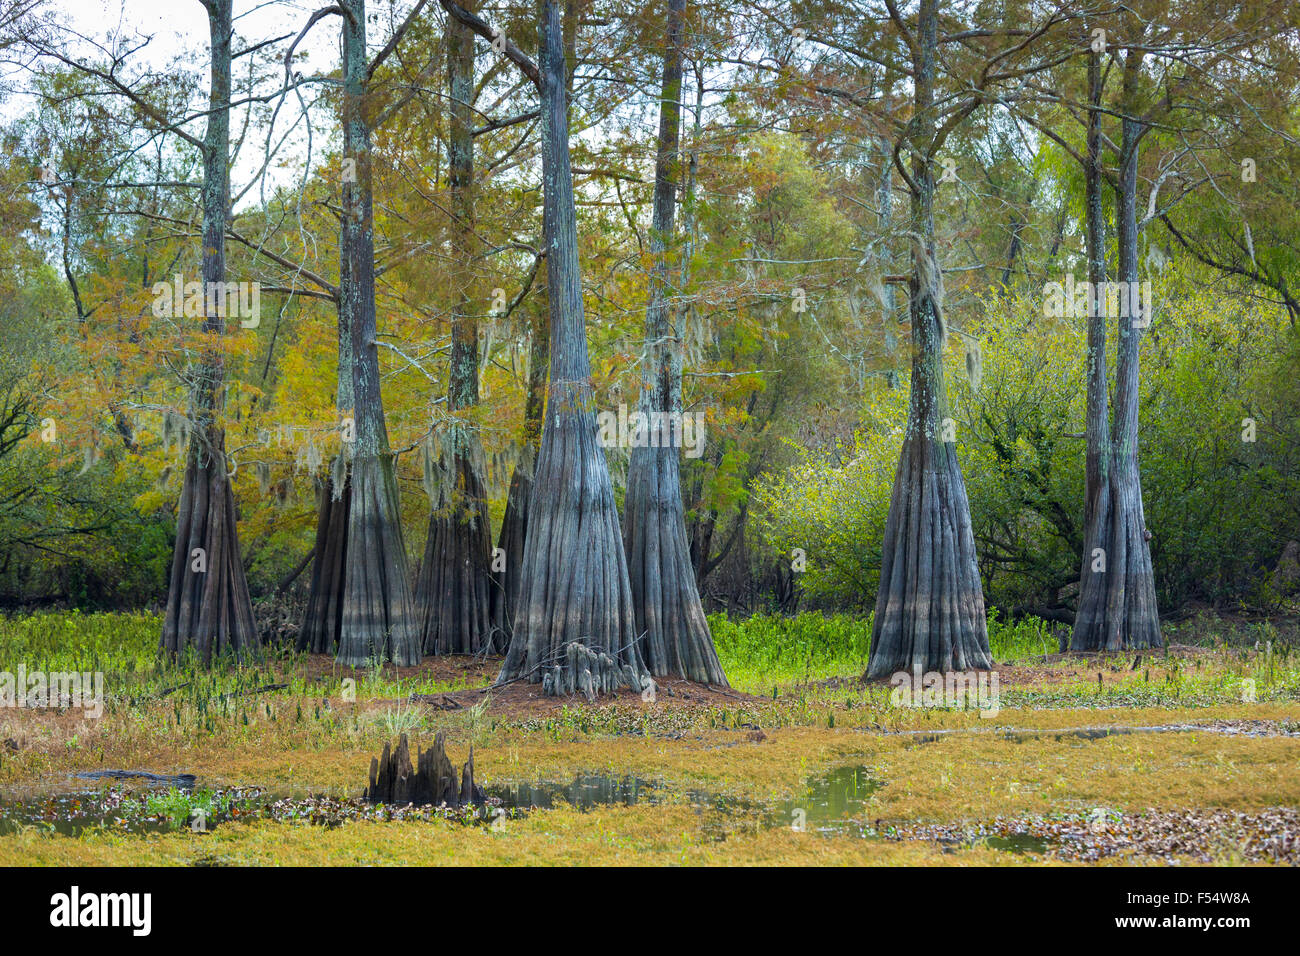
575 627
453 590
505 581
208 608
379 622
930 610
323 618
669 614
574 587
1117 596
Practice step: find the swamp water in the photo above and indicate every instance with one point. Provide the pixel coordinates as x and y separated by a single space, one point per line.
834 804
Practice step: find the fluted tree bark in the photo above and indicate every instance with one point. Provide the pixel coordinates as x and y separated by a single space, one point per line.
514 522
1117 597
670 620
575 627
1096 514
453 591
338 574
379 621
929 612
509 560
208 606
323 618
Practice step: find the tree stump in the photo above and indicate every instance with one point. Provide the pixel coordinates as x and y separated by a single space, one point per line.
432 781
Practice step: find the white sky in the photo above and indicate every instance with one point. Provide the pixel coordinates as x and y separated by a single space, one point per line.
183 24
178 40
181 27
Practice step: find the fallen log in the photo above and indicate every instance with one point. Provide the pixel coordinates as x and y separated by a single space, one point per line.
440 701
184 781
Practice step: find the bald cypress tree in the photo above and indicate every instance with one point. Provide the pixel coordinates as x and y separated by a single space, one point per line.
323 618
670 619
575 627
514 522
930 608
1117 595
379 621
453 590
208 607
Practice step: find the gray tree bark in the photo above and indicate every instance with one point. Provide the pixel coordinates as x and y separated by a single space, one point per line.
575 626
930 608
379 621
675 633
323 618
889 308
514 522
1117 598
1096 519
208 607
453 590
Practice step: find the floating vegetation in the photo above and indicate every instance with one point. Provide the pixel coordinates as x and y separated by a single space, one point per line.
1218 836
129 811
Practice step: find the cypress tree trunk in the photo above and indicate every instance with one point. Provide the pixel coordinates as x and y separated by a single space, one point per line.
575 626
454 586
1117 598
930 608
889 308
208 607
669 616
323 618
514 523
1096 520
379 622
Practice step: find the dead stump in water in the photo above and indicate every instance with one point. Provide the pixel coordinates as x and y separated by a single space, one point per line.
432 781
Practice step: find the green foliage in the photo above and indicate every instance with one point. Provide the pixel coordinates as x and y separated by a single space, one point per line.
402 719
788 336
69 528
180 807
765 650
73 641
831 513
1220 509
1023 637
1019 441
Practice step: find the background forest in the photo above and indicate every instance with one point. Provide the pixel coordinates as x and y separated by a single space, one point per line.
789 274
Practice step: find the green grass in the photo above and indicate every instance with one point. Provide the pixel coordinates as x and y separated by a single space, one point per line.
123 643
765 650
1015 640
124 647
293 741
765 655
